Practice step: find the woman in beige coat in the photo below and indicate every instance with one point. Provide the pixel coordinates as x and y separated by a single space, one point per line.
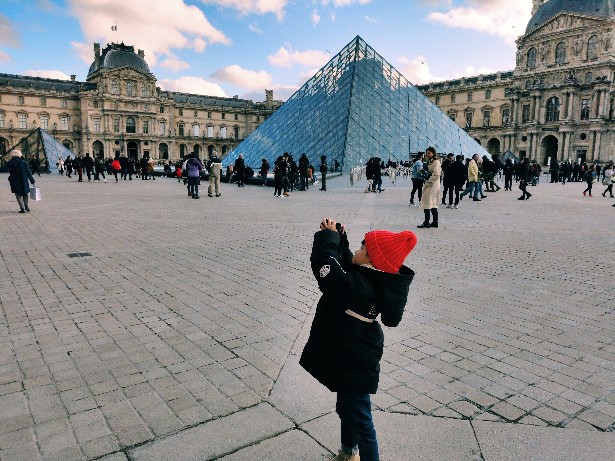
431 189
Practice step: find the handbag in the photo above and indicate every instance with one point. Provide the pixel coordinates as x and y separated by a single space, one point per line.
35 194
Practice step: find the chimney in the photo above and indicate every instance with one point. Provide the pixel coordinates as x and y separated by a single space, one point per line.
142 54
73 78
96 50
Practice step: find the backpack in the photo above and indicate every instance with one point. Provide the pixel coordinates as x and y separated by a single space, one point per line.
587 176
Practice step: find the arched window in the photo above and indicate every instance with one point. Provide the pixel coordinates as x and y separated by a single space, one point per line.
531 58
115 87
592 47
560 53
553 109
131 126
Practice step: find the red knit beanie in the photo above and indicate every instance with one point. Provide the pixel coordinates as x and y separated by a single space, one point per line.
387 250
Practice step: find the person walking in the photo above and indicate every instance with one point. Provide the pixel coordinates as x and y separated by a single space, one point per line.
263 171
609 178
323 172
99 169
447 182
458 175
417 177
473 179
278 176
215 172
116 167
78 164
88 163
69 166
524 172
346 341
431 188
590 177
20 178
194 168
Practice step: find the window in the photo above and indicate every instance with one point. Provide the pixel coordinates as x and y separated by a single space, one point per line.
553 109
180 129
95 104
560 53
210 131
196 131
162 127
181 112
1 120
486 118
258 118
589 78
468 119
116 125
487 94
44 121
131 126
528 84
223 132
208 114
531 58
115 87
437 100
43 101
236 117
145 127
23 120
470 96
144 91
223 115
236 131
96 122
196 113
592 47
453 98
64 122
505 116
162 109
20 100
64 103
115 105
525 113
130 88
585 109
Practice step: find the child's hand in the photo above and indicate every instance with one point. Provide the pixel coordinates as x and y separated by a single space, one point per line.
328 223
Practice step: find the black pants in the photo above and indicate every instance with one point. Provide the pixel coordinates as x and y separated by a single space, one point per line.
277 190
97 174
323 178
304 181
417 185
88 172
507 181
193 185
450 189
523 187
589 187
609 190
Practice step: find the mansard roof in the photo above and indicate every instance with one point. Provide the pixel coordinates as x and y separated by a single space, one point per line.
118 55
43 84
551 8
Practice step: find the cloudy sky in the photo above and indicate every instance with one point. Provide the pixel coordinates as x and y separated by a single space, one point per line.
242 47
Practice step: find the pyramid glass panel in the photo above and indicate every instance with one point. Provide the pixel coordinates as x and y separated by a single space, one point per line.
356 107
41 144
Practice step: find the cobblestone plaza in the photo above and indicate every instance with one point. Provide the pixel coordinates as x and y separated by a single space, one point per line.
178 336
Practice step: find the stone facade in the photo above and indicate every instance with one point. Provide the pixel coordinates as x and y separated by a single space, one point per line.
119 110
559 100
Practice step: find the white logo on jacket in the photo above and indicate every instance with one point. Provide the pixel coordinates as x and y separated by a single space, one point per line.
324 270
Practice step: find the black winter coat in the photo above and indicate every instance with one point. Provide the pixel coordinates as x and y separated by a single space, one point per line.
343 352
19 175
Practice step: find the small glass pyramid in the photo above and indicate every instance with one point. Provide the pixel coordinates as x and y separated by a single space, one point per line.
356 107
41 144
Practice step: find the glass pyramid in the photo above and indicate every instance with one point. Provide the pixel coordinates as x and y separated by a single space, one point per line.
41 144
356 107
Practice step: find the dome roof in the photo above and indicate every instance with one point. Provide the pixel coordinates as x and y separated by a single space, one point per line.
551 8
116 55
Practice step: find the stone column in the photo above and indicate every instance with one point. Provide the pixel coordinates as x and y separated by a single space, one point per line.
596 104
604 111
597 151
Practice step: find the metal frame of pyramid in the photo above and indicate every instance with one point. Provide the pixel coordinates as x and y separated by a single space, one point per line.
356 107
41 144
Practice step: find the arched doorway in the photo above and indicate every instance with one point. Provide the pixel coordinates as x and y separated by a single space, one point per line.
183 150
163 151
549 147
133 149
210 150
98 151
197 150
68 144
224 150
493 146
4 145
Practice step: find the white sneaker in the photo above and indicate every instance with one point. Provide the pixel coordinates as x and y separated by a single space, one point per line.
105 180
455 206
96 180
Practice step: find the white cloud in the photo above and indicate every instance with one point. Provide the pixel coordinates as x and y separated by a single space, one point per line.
157 26
417 71
341 3
501 18
315 17
370 19
4 57
254 28
248 79
55 74
8 32
252 6
194 85
289 57
175 64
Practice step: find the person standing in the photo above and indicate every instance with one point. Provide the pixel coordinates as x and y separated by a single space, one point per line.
509 169
78 164
144 165
590 176
609 178
263 171
69 166
88 163
554 170
60 166
323 172
346 341
19 176
447 181
194 168
431 188
304 163
36 165
458 175
417 178
215 172
240 170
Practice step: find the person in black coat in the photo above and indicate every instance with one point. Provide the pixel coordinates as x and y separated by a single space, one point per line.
304 163
19 175
346 341
447 180
240 170
458 174
323 172
509 170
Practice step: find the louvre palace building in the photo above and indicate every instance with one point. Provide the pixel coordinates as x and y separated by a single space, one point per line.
558 102
119 110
